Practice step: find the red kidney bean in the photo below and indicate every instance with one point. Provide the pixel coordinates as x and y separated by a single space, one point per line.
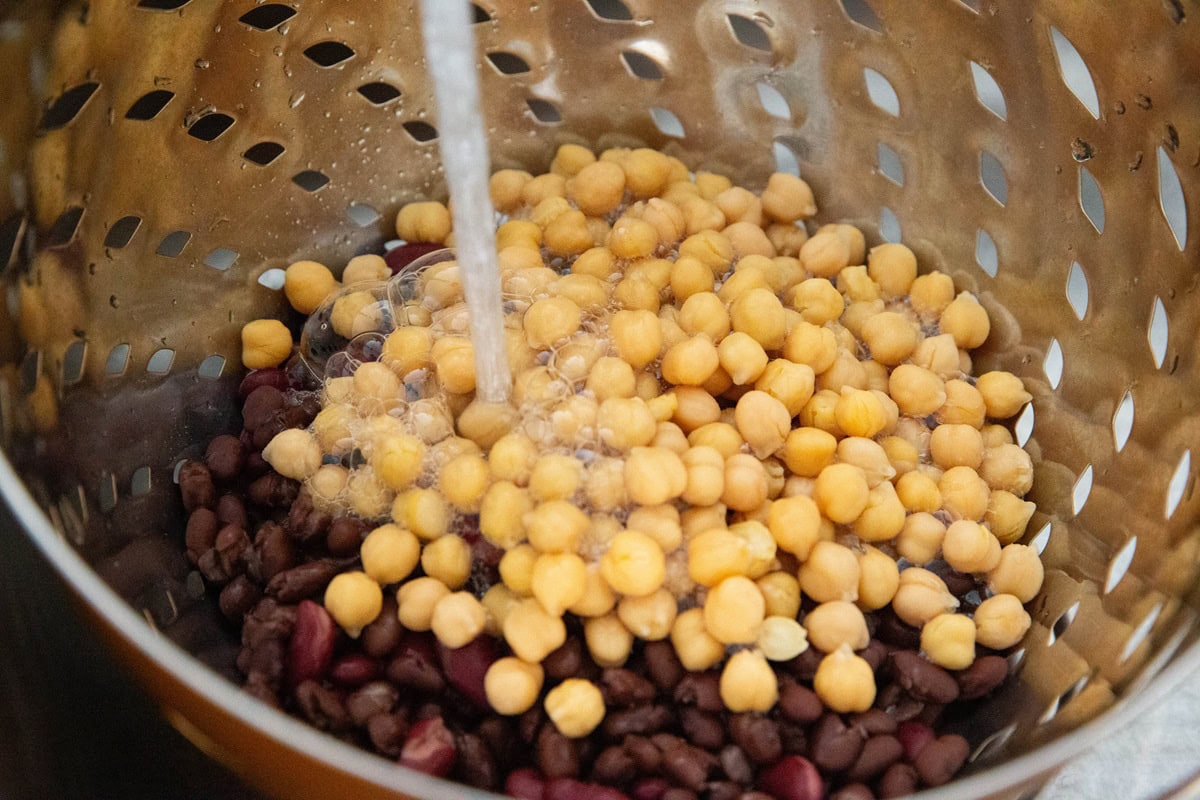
225 457
649 789
415 665
429 747
262 406
900 780
879 753
401 256
941 759
354 670
466 666
373 699
196 486
383 635
914 736
923 679
272 376
525 784
982 677
310 650
570 789
792 778
201 532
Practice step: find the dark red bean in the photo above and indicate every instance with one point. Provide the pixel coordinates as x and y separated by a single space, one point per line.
793 737
646 753
415 665
201 532
274 549
383 635
232 546
345 536
476 766
639 720
387 732
700 689
735 765
310 650
273 491
255 465
302 582
429 747
758 736
354 670
923 679
465 667
614 765
262 406
529 723
373 699
568 789
792 778
900 780
879 753
804 666
676 793
875 654
196 486
834 745
232 511
623 688
941 759
688 766
566 661
913 737
893 630
873 722
557 756
799 703
401 256
225 457
702 728
662 665
853 791
524 784
982 677
649 789
322 707
272 376
238 598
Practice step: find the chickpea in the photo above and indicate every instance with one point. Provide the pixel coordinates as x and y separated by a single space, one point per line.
447 558
859 413
306 285
760 544
576 707
632 238
917 391
517 234
669 436
294 453
609 641
789 383
759 314
721 436
748 683
964 494
832 624
457 619
649 617
423 222
841 492
811 345
516 569
558 581
879 578
597 188
1018 572
845 682
390 554
788 239
949 641
532 632
690 276
795 524
821 412
1008 468
550 320
454 360
654 475
327 486
830 573
920 539
781 594
637 336
788 198
891 336
867 455
605 484
824 255
966 320
711 248
422 511
705 476
1003 394
763 422
970 547
742 357
567 233
691 362
1007 516
512 685
931 294
963 406
704 313
715 555
883 517
922 596
939 355
996 435
497 601
611 377
781 638
807 451
740 205
1001 622
265 343
569 159
660 523
555 526
625 423
596 262
354 600
667 219
368 496
555 477
634 564
902 454
734 610
745 482
956 446
918 492
743 280
695 646
417 600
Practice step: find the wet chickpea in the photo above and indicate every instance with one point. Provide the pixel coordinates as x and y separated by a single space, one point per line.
555 526
748 683
625 423
824 255
532 632
700 215
294 453
521 234
795 524
891 336
781 594
691 362
789 383
567 233
1018 572
841 492
931 294
608 640
893 267
781 638
759 314
463 480
879 579
964 493
690 276
265 343
820 412
742 357
831 573
1008 516
307 284
569 159
705 468
637 336
505 187
668 435
390 554
921 596
748 239
716 554
788 239
788 198
454 360
423 222
354 600
970 548
845 682
859 413
818 301
1003 394
721 436
632 238
417 600
733 611
558 581
966 320
832 624
858 287
710 184
1008 468
611 377
422 511
807 451
939 355
666 218
745 482
512 685
956 446
502 512
811 345
447 558
605 484
963 406
743 280
457 619
1001 622
704 313
649 617
996 435
763 422
883 517
597 188
918 492
948 640
596 262
516 569
695 646
740 205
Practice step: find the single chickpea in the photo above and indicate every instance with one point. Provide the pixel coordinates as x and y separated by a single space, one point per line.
377 389
845 682
781 594
742 357
879 578
550 320
497 601
668 325
637 336
1018 572
647 172
463 481
505 187
841 492
695 646
690 276
423 222
781 638
711 248
704 313
788 239
306 285
265 343
721 436
660 523
708 185
966 320
748 683
457 619
417 599
858 287
760 544
447 558
362 268
1003 394
956 446
763 422
597 599
1001 622
715 555
649 617
902 454
883 517
597 188
632 238
691 362
605 484
921 596
964 494
664 407
818 301
669 436
893 267
558 581
555 526
759 314
1008 468
917 391
397 459
832 624
788 198
516 569
891 337
454 360
700 215
859 413
634 564
611 377
328 485
789 383
949 641
740 205
294 453
970 547
807 451
354 600
368 496
811 345
608 640
512 685
567 233
996 435
931 294
795 524
422 511
555 477
520 234
532 632
390 554
938 354
830 573
1007 516
625 423
745 482
576 707
705 476
920 539
666 218
824 255
569 159
743 280
596 262
869 456
918 492
963 406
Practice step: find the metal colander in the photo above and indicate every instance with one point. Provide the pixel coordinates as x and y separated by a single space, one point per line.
165 158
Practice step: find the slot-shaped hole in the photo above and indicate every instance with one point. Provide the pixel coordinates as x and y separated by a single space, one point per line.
12 237
479 14
122 232
74 360
106 492
988 92
162 5
139 483
993 745
1179 482
1082 490
613 10
1061 624
889 164
1053 364
161 362
379 93
65 227
1075 73
273 279
221 259
749 32
991 176
860 11
211 367
1122 421
173 244
149 105
210 127
642 66
31 370
1091 201
772 101
1024 425
787 155
889 225
362 215
420 131
1171 200
666 122
311 180
544 111
117 361
986 255
328 54
1077 290
1073 691
67 106
1140 633
508 63
881 92
1158 332
268 17
1120 564
263 153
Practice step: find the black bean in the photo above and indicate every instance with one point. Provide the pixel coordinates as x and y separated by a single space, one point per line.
614 766
982 677
232 546
900 780
377 697
383 635
196 486
793 738
834 745
201 532
566 661
387 732
623 688
261 405
941 759
799 703
475 765
675 793
640 720
923 679
259 686
879 753
557 756
702 728
302 582
238 598
735 765
700 689
758 736
529 723
322 707
225 457
662 664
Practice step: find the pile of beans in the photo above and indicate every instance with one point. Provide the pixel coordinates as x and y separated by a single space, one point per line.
755 455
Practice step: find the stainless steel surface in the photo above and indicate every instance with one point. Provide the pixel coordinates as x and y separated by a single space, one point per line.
1068 205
